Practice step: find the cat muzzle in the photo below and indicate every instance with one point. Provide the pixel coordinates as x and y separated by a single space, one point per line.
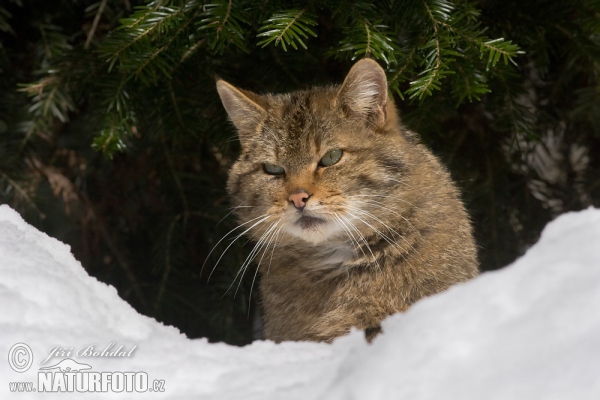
306 222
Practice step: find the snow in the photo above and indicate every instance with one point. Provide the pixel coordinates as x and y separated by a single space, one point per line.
528 331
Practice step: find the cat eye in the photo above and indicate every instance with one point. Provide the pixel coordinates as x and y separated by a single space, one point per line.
273 169
330 158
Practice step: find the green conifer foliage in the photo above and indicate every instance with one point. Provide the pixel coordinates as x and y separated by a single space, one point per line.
113 139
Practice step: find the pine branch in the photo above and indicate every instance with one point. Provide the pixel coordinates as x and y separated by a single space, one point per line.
109 141
54 44
135 34
116 99
223 23
288 28
464 24
498 48
166 65
23 194
94 25
399 76
366 39
116 117
439 56
49 99
470 84
511 115
4 17
189 52
455 32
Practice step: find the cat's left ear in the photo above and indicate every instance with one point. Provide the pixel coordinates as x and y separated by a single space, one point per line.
364 92
242 107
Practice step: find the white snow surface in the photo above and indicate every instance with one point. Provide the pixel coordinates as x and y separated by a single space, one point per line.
528 331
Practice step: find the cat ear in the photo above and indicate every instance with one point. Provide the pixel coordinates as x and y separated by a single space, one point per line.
243 111
364 91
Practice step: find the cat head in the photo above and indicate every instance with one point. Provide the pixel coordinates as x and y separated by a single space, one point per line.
313 162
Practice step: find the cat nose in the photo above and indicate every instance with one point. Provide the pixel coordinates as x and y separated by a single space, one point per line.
299 199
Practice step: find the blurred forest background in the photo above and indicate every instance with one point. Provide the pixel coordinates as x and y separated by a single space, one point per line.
113 139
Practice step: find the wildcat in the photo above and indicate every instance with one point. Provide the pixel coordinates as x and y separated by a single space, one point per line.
354 219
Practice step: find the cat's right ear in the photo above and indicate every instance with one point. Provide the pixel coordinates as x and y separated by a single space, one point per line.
364 92
244 112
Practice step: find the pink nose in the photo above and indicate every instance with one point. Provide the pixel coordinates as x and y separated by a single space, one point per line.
299 199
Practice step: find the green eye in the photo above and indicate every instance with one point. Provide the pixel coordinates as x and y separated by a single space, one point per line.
273 169
330 158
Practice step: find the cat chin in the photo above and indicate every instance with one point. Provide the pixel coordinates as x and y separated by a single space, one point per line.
314 232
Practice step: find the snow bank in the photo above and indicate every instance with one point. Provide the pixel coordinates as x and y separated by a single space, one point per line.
529 331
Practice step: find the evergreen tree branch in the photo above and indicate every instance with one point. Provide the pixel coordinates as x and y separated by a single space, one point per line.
435 67
398 77
139 27
4 17
94 25
23 194
366 39
161 49
288 28
368 49
463 28
191 50
222 21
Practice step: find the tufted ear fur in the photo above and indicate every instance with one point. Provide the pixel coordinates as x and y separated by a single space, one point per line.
242 107
364 92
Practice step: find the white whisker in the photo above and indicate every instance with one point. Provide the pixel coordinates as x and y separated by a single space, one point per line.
232 209
385 237
276 231
350 235
255 250
274 245
368 214
381 205
236 238
383 195
361 236
225 236
400 182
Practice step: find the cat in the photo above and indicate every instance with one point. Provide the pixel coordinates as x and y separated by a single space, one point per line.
352 217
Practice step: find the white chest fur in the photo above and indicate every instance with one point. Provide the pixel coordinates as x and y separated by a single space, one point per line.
331 256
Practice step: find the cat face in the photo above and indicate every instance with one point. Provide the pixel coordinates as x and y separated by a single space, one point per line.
313 161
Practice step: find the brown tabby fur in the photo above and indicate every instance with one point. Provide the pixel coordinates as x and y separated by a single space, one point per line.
387 191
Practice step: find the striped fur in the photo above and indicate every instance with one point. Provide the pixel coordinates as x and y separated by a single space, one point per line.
391 226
